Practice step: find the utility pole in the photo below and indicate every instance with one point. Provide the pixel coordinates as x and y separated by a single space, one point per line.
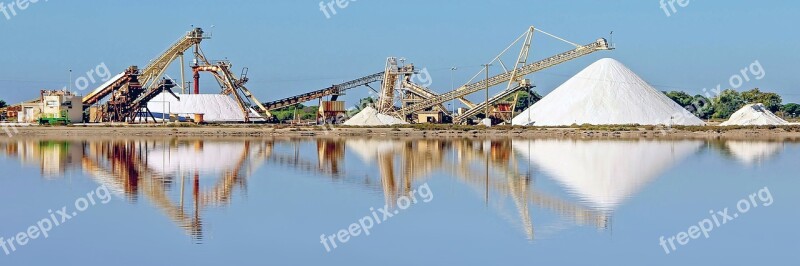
183 75
487 89
453 86
70 80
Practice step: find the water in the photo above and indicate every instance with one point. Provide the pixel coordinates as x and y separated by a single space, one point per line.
183 201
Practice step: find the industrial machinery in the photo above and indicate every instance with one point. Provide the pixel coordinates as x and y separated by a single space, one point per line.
229 83
514 77
333 91
481 107
131 90
391 77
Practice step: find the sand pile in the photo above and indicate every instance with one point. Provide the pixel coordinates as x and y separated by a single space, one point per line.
754 115
370 117
606 93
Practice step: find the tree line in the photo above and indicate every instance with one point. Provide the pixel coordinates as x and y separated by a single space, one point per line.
729 101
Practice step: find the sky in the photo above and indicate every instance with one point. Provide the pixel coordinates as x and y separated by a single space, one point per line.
291 47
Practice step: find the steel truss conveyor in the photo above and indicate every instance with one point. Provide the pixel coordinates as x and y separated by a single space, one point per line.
599 45
332 90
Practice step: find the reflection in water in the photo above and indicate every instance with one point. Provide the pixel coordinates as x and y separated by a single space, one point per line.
184 177
753 152
604 173
151 168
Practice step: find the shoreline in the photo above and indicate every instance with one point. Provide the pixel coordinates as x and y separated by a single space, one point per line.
249 131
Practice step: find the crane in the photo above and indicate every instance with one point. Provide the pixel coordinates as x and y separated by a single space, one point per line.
510 76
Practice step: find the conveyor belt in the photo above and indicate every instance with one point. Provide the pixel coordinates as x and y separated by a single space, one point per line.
332 90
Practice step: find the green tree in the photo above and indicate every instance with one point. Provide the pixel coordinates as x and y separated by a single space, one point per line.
682 98
698 105
525 99
703 107
772 101
3 104
791 109
727 103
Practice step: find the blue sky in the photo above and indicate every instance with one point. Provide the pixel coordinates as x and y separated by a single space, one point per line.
291 47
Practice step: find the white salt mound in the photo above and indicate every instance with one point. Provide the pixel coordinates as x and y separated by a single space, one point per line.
370 117
606 93
754 115
216 108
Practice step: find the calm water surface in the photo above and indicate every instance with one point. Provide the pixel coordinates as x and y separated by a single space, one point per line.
475 202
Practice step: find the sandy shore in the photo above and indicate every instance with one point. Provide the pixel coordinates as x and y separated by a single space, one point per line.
786 133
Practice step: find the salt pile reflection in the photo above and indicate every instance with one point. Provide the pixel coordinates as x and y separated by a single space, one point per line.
184 178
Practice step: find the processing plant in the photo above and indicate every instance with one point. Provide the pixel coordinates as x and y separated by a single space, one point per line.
144 95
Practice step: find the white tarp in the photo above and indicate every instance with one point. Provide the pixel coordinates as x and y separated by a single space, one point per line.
754 115
606 93
604 173
216 108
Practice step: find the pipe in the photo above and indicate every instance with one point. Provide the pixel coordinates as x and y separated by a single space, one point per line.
196 81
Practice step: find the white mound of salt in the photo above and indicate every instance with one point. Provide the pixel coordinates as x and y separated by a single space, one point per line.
371 117
754 115
606 93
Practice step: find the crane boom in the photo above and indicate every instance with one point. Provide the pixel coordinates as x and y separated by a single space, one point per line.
599 45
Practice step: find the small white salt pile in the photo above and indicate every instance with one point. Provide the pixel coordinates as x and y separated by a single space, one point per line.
370 117
606 93
754 115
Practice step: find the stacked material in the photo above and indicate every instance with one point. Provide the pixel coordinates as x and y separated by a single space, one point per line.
216 108
606 93
371 117
605 173
754 115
